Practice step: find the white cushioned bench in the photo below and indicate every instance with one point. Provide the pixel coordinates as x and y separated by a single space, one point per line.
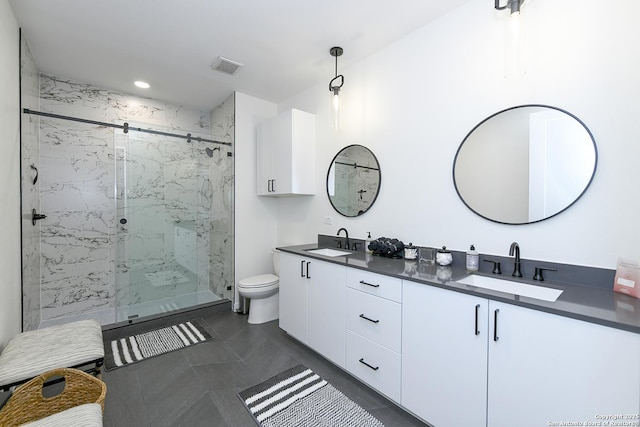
71 345
87 415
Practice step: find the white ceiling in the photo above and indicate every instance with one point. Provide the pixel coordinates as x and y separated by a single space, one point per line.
283 44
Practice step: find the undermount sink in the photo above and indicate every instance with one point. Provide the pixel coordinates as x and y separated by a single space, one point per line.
511 287
328 252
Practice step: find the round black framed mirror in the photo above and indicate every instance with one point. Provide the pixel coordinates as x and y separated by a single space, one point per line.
525 164
353 180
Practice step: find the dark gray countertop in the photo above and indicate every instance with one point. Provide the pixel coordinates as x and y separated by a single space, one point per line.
596 305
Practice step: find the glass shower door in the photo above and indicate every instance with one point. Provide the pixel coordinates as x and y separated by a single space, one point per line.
162 249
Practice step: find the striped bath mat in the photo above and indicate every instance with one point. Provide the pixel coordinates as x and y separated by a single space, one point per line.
299 397
125 351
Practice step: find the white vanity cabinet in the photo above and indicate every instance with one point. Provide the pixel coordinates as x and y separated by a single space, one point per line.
286 153
444 355
374 323
313 304
545 368
471 361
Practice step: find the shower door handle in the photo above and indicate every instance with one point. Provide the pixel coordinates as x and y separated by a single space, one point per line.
36 216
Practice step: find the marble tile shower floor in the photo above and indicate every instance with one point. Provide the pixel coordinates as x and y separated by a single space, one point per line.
197 386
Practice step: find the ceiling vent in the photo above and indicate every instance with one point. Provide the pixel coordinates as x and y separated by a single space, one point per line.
226 66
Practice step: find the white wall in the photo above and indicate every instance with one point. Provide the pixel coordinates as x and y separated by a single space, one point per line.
255 217
414 102
10 312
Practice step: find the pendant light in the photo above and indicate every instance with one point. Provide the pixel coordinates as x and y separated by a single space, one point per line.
514 40
334 87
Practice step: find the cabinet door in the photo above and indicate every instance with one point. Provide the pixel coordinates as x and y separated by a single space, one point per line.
272 149
326 309
444 355
286 154
546 369
293 295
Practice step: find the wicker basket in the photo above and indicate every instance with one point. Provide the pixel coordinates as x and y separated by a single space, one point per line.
27 403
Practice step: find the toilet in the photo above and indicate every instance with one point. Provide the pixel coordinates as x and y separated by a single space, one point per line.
262 291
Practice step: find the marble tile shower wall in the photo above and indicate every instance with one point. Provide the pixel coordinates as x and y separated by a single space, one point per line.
30 191
85 250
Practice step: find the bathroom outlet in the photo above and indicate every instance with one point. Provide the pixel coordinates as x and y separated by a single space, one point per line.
328 220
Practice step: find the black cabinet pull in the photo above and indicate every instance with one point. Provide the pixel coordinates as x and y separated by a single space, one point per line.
362 316
495 325
477 309
369 284
302 268
308 277
375 368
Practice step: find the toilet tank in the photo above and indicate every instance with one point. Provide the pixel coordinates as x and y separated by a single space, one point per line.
276 261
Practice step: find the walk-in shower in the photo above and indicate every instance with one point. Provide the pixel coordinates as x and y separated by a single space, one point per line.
164 198
137 203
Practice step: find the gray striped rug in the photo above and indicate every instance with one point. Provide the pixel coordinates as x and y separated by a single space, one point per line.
299 397
125 351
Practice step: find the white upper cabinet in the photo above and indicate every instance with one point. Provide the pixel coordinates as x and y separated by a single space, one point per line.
287 154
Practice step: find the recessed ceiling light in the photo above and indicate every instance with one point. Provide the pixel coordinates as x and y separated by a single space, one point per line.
141 84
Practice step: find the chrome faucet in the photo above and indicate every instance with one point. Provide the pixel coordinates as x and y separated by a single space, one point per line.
345 232
516 266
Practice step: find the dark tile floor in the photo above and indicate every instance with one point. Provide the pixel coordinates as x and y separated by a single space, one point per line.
197 386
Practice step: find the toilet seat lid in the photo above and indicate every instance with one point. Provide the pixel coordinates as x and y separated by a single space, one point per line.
258 281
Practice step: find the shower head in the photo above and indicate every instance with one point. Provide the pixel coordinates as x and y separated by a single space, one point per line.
210 151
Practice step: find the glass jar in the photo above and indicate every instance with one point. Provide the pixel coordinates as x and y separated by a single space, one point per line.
444 256
410 252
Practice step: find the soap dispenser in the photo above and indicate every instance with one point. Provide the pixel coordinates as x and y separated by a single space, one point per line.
472 259
366 243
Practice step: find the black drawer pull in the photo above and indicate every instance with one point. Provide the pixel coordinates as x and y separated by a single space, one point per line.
302 268
495 325
370 320
375 368
477 308
369 284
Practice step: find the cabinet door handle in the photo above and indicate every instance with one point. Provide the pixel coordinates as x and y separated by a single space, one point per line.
370 320
273 185
308 277
477 309
375 368
495 325
369 284
268 186
302 268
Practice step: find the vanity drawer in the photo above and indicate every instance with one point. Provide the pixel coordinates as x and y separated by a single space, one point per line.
375 284
374 364
375 318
